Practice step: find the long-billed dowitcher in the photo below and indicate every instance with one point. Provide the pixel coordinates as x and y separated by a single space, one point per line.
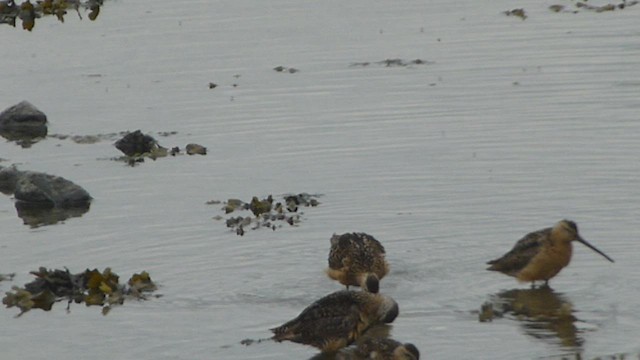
357 259
338 319
541 255
387 349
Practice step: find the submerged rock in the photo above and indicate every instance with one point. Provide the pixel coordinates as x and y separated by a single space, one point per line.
23 121
196 149
49 190
43 199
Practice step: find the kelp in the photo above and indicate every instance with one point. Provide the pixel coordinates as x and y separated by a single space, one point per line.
91 287
28 12
267 212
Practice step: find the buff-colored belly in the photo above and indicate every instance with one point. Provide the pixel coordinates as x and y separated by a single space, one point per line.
546 264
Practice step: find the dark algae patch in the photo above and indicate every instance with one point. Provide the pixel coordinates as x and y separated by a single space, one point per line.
91 287
267 212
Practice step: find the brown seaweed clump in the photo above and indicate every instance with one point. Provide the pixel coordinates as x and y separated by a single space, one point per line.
268 212
91 287
28 12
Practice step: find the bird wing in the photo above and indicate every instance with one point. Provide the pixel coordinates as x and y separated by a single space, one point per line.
335 316
523 251
371 243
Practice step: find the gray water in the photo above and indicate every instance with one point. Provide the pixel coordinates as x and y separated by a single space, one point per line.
513 126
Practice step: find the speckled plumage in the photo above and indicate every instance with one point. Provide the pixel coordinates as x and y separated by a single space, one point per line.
338 319
541 255
387 349
357 259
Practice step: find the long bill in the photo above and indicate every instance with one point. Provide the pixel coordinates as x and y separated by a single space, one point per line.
583 241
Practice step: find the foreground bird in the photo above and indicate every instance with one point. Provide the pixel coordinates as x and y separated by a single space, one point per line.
357 259
338 319
541 255
387 349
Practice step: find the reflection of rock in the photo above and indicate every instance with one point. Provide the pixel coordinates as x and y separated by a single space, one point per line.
36 216
23 122
43 199
543 313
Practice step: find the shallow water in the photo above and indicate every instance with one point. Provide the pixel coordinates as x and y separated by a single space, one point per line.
515 125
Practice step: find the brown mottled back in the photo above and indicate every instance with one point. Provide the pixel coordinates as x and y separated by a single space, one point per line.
523 251
337 320
357 259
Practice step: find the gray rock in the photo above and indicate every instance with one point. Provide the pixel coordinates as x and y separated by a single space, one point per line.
8 179
23 120
49 190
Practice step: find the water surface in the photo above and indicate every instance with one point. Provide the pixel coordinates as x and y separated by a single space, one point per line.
514 126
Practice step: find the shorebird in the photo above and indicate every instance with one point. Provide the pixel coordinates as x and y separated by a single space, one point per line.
387 349
357 259
338 319
541 255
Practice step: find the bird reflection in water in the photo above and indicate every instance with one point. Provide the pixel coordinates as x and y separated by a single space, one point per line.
375 344
543 313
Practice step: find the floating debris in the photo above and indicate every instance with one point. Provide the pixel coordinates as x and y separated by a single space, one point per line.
286 69
556 8
393 63
583 5
91 287
268 213
516 12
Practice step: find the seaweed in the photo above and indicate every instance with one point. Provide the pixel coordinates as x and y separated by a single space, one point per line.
91 287
267 213
28 12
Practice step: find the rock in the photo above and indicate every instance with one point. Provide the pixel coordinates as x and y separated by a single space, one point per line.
8 179
21 121
193 149
136 143
49 190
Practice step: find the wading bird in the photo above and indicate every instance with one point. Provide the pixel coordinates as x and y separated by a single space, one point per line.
338 319
541 255
357 259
